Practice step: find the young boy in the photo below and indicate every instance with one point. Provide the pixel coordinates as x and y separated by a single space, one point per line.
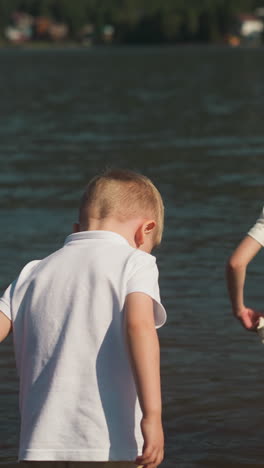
236 274
83 322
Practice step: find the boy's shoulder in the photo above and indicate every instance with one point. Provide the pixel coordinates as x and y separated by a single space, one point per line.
32 266
141 257
142 263
28 267
134 259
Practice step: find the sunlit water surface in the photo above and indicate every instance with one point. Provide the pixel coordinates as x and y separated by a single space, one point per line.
191 118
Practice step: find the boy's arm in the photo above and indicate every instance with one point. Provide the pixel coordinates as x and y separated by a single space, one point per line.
145 359
5 326
236 275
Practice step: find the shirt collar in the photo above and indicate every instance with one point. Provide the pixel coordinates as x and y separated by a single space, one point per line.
89 235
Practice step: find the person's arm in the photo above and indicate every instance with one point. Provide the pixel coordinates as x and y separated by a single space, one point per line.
236 275
5 326
144 352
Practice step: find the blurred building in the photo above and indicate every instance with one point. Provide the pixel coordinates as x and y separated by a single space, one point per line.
247 30
25 27
58 31
21 29
86 35
251 26
108 33
42 26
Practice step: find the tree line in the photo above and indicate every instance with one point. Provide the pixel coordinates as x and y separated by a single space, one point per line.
142 21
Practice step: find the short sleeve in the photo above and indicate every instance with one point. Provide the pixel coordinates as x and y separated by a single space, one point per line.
5 302
257 231
144 278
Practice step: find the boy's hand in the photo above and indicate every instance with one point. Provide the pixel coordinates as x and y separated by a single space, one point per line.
248 317
153 450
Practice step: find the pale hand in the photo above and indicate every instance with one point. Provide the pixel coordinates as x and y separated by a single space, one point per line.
248 317
153 450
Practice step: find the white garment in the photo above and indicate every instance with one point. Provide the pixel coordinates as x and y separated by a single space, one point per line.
78 399
59 464
257 231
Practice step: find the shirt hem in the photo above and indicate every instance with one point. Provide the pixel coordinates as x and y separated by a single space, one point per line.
5 308
76 455
257 237
160 314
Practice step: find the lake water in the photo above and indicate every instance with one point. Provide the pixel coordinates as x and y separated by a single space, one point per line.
191 118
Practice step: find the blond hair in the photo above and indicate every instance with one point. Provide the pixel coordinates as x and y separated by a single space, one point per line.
122 194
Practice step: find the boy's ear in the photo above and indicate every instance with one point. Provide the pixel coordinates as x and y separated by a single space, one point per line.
149 226
76 227
143 230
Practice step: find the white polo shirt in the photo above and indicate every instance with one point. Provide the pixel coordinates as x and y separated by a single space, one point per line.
78 399
257 231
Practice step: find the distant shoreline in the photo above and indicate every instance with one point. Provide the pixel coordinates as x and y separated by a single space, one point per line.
64 45
43 45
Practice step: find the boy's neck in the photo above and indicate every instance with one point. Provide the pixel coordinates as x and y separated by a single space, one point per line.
125 228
